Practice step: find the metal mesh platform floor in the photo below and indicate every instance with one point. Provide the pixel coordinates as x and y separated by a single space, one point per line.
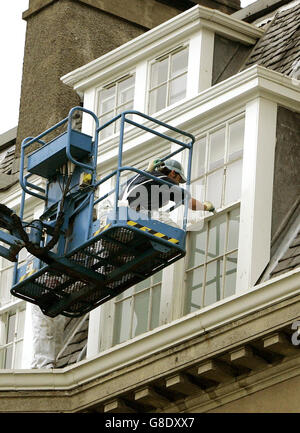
119 258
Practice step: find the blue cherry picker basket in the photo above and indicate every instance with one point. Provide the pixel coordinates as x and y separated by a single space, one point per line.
92 261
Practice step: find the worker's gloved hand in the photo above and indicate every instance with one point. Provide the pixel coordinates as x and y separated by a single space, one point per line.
208 206
156 163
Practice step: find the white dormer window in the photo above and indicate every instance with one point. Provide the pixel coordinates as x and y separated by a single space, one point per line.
114 98
212 251
168 79
217 162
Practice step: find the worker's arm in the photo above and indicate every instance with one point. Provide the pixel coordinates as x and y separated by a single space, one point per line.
197 205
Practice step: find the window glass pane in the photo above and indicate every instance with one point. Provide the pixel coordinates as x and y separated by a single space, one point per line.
109 129
233 231
18 355
177 89
155 309
142 285
198 162
107 105
197 246
157 277
11 328
194 284
214 188
126 84
140 315
126 90
230 277
122 321
216 237
236 139
213 286
158 99
233 182
108 92
107 99
21 323
127 106
5 285
2 357
217 149
179 62
159 72
197 191
8 357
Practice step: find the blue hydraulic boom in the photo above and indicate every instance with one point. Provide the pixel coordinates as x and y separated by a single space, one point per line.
76 262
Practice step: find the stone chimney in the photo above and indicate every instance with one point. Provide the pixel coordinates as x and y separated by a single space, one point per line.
63 35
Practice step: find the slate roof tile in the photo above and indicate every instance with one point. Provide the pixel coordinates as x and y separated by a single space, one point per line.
296 241
7 161
278 49
290 259
76 344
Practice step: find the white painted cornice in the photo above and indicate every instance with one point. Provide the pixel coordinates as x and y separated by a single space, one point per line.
165 337
162 36
213 103
239 89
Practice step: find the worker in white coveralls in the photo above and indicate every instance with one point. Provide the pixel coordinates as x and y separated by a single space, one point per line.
47 334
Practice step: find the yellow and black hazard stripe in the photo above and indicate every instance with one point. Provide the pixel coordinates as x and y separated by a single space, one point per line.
27 275
102 229
152 232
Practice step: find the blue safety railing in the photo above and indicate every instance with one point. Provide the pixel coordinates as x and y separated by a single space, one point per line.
91 264
31 140
189 146
123 117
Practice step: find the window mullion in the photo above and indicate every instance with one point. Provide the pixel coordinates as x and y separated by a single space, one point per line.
150 306
205 265
225 251
168 80
226 152
116 105
14 340
131 315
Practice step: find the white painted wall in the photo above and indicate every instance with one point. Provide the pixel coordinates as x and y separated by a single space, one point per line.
257 190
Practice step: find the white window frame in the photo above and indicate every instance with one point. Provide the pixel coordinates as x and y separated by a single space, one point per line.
125 296
15 309
207 261
167 55
115 82
207 171
177 271
6 265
